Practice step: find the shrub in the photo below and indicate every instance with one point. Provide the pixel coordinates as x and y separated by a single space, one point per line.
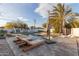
2 33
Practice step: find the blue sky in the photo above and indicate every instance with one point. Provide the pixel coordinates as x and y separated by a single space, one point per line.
26 12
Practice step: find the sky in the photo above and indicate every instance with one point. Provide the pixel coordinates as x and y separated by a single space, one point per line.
28 12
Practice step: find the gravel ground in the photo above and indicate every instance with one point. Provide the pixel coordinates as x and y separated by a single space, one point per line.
64 47
5 50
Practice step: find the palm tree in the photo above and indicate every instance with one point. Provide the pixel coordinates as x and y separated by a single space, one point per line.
74 23
44 25
59 16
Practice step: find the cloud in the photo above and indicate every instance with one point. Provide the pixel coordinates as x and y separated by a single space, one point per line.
43 9
4 19
2 23
22 18
4 16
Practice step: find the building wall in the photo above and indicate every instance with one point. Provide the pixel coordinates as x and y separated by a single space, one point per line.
66 31
75 31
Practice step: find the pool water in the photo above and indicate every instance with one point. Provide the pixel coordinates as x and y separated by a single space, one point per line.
34 37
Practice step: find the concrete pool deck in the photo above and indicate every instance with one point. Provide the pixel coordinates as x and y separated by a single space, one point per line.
63 47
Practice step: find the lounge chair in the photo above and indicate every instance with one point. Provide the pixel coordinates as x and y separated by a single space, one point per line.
33 44
26 45
19 39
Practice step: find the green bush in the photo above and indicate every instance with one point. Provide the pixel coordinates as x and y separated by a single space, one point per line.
2 33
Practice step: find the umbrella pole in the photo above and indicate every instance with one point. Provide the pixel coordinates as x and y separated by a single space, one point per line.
49 34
